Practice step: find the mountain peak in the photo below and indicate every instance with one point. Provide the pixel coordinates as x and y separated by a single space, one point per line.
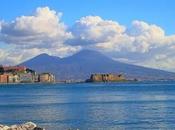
41 59
43 55
88 54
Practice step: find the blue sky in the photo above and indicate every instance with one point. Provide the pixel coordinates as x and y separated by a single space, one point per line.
138 32
159 12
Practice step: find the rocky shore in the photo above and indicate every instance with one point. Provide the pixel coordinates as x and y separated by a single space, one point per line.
26 126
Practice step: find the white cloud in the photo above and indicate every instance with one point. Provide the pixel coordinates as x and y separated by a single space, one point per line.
43 30
93 29
110 35
106 35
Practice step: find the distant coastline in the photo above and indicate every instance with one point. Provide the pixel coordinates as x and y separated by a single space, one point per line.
23 75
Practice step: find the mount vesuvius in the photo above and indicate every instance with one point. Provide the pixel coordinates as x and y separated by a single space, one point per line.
82 64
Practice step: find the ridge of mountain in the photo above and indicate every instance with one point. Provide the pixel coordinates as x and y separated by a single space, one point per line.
82 64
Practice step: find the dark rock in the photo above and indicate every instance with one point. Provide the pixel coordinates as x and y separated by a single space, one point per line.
38 128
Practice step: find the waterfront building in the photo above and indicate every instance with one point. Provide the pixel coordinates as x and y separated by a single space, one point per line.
36 78
26 78
46 78
13 78
4 78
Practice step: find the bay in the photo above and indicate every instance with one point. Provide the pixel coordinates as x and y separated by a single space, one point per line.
85 106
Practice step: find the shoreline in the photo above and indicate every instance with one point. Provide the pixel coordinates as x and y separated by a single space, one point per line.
127 81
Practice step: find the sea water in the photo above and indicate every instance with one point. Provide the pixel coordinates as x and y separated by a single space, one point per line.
98 106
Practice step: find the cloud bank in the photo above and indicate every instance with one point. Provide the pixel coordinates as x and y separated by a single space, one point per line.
140 43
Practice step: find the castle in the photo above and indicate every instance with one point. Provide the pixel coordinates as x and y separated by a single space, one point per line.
106 78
